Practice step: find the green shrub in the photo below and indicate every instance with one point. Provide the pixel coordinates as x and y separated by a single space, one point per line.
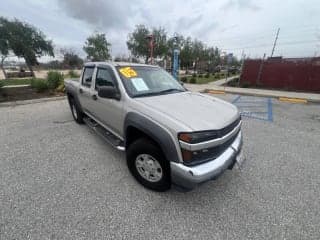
193 80
184 79
40 85
207 75
194 75
73 74
1 84
54 79
200 76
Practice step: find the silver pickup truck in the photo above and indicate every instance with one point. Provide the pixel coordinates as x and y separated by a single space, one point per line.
171 136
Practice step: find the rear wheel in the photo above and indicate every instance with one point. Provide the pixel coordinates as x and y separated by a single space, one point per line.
77 114
148 165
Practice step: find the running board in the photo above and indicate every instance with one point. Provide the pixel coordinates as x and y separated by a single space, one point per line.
105 134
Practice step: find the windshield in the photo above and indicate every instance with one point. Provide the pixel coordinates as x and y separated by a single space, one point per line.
142 81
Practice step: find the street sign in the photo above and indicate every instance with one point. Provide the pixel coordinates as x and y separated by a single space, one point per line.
175 65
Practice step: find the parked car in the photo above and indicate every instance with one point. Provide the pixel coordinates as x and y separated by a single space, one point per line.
171 136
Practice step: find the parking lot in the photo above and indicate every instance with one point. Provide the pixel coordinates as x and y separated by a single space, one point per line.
59 180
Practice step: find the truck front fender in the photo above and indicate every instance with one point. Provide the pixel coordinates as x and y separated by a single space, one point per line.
154 131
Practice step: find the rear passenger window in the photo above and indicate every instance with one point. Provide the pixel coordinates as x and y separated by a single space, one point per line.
87 76
104 78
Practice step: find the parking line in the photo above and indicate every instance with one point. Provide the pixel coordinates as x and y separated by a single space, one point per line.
270 113
254 107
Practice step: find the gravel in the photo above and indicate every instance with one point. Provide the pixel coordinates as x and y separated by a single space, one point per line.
59 180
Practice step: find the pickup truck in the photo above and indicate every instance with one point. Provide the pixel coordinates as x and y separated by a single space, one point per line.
171 136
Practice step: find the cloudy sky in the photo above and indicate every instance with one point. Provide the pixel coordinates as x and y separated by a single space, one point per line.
232 25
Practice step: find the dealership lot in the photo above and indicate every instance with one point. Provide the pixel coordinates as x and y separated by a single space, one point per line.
59 180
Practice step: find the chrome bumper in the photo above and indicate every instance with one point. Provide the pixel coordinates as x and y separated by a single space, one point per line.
189 177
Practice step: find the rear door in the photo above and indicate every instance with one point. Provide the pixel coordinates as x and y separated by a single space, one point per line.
86 88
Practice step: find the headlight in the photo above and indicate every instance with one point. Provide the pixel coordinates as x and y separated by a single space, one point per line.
193 157
197 137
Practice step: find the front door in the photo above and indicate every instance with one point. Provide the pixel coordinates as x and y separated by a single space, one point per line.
108 111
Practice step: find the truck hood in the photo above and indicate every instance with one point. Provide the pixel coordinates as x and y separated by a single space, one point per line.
197 111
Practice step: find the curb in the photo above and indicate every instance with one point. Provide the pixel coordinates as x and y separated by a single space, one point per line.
16 86
216 92
31 101
279 97
293 100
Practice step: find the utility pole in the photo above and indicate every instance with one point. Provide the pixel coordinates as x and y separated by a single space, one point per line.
275 42
151 46
258 82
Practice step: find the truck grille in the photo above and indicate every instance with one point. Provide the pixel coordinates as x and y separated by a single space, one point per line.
224 131
209 154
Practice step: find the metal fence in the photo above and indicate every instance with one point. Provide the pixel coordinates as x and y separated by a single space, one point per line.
296 74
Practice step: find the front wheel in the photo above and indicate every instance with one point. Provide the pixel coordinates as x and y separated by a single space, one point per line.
148 165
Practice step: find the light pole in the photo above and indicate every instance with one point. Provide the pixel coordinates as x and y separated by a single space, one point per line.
151 46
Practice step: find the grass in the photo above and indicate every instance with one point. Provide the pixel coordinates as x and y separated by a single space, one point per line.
16 81
211 78
203 80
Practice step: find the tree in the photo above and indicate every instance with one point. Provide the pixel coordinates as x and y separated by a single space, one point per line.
186 54
197 52
4 45
160 42
70 58
137 42
25 41
97 47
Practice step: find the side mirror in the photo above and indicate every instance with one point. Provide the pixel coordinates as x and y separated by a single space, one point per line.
109 92
181 83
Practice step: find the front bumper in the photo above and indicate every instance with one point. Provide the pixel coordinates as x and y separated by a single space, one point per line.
189 177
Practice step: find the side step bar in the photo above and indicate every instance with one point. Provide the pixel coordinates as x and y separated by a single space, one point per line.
105 134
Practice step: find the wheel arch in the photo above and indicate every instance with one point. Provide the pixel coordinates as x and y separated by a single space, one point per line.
137 126
71 95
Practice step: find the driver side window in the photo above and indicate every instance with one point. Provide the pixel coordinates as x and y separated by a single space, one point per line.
104 78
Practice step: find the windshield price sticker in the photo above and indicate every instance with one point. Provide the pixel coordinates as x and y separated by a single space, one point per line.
128 72
139 84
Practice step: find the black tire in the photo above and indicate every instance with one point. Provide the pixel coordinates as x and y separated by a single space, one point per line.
144 146
77 114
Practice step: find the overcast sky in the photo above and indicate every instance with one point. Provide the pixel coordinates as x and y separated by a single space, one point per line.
231 25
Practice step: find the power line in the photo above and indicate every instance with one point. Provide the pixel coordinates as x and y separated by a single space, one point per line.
268 45
311 29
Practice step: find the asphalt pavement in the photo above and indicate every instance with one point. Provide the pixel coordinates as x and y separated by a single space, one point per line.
59 180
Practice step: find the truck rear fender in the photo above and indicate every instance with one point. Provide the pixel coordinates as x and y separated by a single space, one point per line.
71 93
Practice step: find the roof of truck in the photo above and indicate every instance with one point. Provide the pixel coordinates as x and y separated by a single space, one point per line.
118 64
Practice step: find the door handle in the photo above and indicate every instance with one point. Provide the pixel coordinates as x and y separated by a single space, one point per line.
94 97
80 90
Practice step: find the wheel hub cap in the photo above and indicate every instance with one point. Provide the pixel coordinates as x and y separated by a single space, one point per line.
148 167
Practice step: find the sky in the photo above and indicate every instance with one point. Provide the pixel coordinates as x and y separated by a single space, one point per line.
236 26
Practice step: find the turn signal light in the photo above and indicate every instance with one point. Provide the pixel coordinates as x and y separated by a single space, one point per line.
186 137
186 155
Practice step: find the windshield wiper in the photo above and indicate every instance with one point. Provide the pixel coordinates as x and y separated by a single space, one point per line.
159 93
171 90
